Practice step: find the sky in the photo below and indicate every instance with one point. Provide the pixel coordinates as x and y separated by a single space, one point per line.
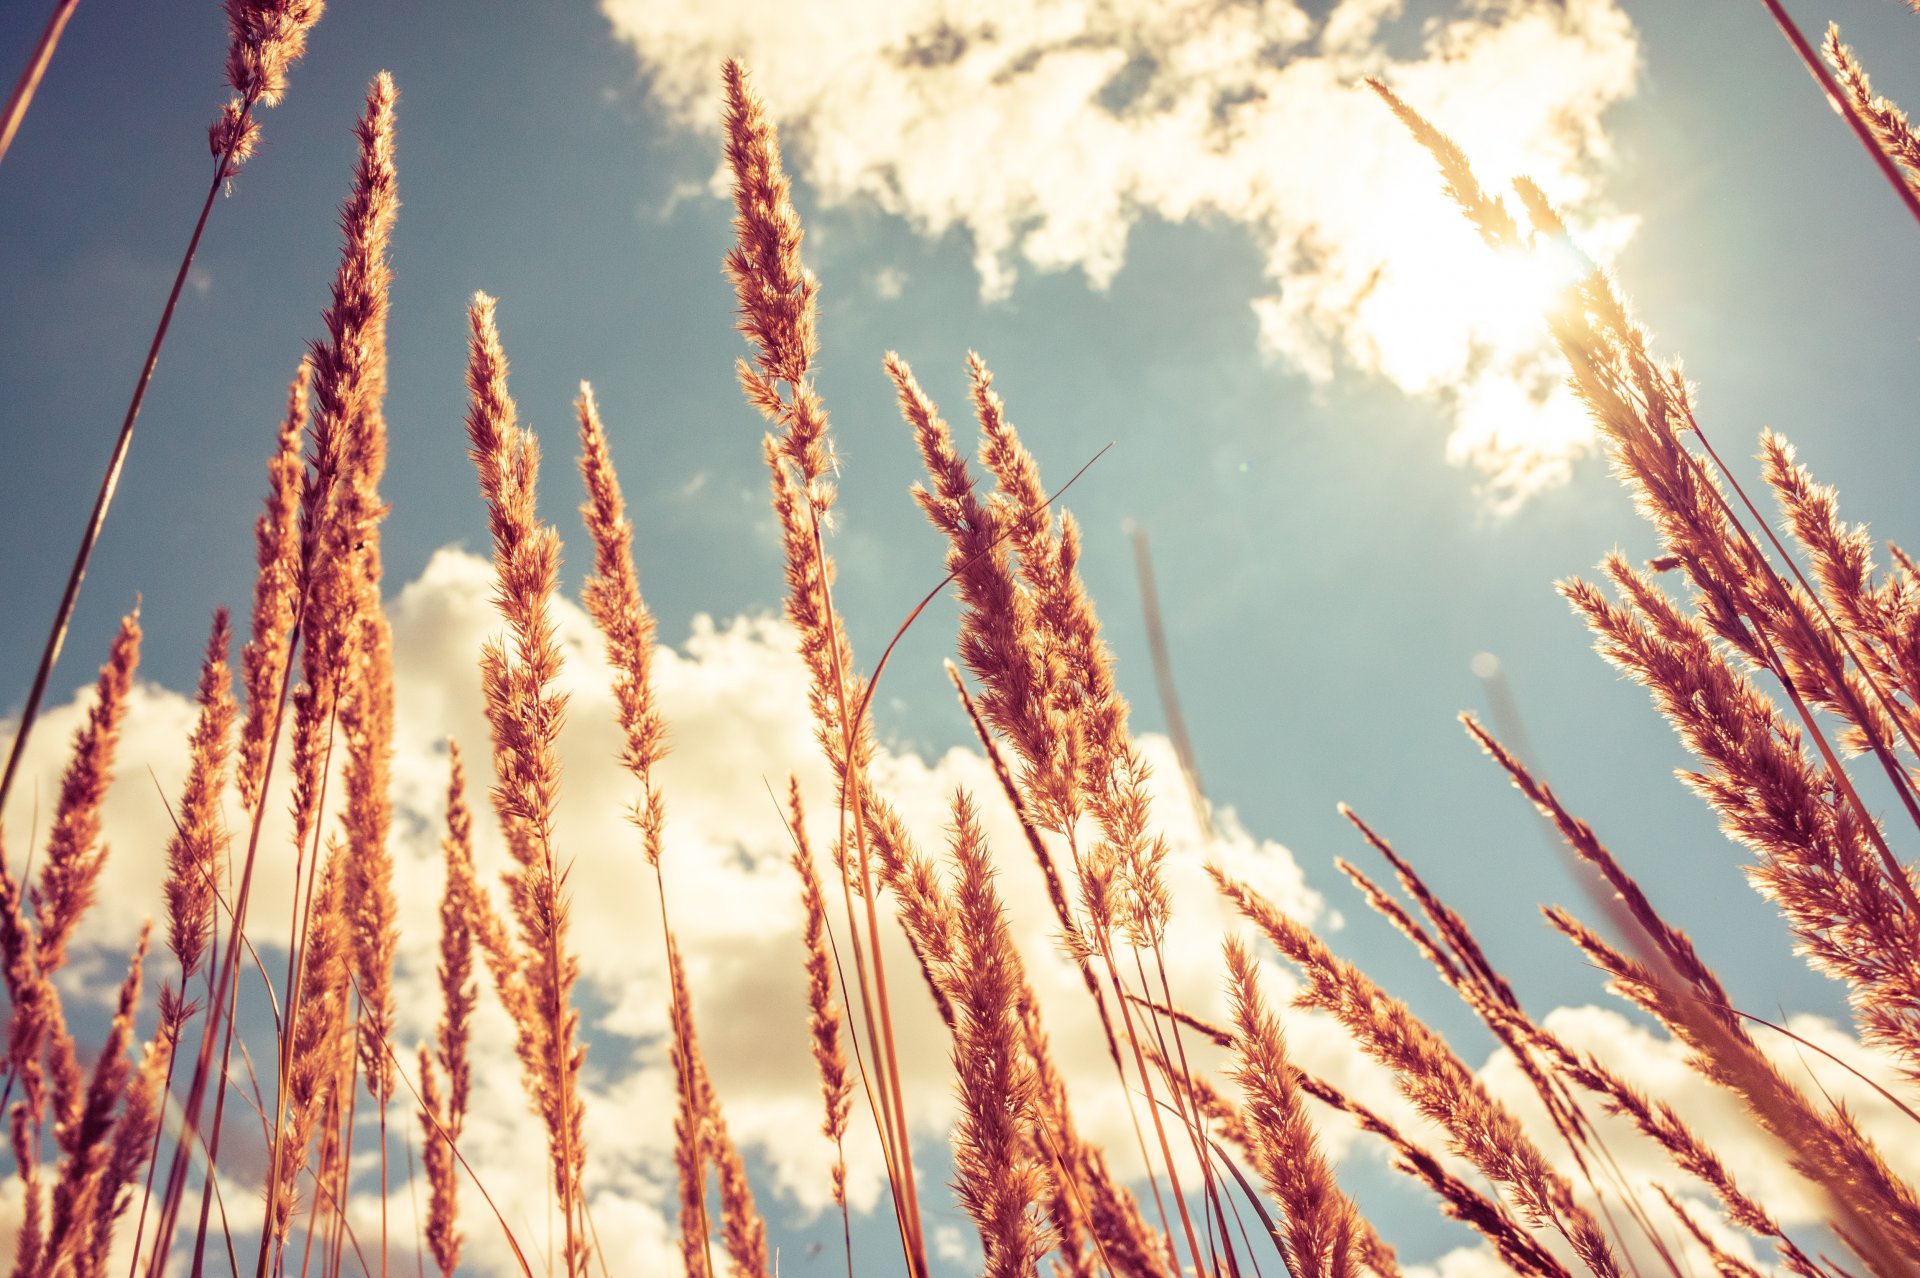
1177 228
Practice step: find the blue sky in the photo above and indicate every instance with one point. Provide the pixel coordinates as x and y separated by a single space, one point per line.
1327 573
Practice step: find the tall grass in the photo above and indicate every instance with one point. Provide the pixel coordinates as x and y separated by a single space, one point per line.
1783 660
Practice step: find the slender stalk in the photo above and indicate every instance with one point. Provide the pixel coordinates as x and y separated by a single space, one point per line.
29 81
1844 105
109 482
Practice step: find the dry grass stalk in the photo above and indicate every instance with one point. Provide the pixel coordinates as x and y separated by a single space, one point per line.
1675 985
37 1039
1464 965
198 848
1665 1126
1725 1265
87 1141
366 724
39 1047
743 1232
75 855
1480 1128
524 712
1072 940
1643 410
135 1143
314 1041
1459 1200
347 383
29 81
1876 618
268 37
1872 1210
777 314
1669 950
611 597
823 1012
276 536
445 1116
442 1230
1817 840
999 1181
1843 104
1515 1032
1816 859
1322 1231
1031 636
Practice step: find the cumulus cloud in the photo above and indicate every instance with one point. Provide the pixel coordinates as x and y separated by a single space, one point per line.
733 695
1047 131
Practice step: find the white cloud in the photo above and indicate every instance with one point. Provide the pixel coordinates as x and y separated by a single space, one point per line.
1046 131
734 697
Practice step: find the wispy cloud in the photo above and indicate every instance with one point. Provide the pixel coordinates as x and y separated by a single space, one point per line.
1047 131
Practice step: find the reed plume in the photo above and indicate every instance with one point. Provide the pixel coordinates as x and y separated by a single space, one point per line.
313 1042
777 299
347 381
444 1115
267 38
524 712
1480 1128
198 848
998 1180
276 536
366 700
612 598
37 1039
1815 857
87 1140
75 856
1887 122
1321 1236
701 1137
823 1012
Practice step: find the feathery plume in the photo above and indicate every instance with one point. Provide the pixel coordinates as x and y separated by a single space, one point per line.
319 1020
742 1230
198 846
276 536
436 1153
338 501
1458 1199
75 855
366 695
612 596
524 713
1887 122
777 298
1815 856
88 1140
823 1013
268 37
1319 1238
1873 617
444 1117
134 1138
998 1180
1480 1128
